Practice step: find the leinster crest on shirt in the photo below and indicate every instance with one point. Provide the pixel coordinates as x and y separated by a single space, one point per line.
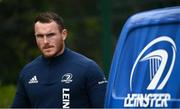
67 78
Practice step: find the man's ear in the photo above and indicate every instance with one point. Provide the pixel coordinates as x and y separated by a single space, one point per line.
64 34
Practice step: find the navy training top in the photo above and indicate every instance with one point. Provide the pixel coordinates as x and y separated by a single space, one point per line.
69 80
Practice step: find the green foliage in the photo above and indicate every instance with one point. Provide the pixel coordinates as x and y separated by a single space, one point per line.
83 19
6 95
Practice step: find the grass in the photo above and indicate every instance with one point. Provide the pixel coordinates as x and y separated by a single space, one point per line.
6 95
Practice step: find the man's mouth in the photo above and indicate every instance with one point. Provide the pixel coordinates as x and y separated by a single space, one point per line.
47 47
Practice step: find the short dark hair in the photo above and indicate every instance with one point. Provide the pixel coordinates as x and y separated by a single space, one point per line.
47 17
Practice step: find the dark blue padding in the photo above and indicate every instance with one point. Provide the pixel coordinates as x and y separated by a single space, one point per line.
146 61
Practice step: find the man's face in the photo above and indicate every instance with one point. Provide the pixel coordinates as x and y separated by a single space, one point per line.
49 39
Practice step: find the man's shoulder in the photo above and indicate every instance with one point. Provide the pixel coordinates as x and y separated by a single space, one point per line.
33 63
81 59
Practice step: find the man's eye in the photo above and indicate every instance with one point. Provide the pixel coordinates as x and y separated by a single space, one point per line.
39 36
50 34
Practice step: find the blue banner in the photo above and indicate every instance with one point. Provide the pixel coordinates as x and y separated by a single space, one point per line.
145 69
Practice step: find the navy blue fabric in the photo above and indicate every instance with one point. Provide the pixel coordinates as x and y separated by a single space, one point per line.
88 81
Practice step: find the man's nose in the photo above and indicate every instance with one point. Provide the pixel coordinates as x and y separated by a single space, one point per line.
45 39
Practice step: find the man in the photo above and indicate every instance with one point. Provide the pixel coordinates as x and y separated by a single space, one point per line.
60 77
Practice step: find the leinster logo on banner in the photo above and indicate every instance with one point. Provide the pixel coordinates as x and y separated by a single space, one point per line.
159 62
